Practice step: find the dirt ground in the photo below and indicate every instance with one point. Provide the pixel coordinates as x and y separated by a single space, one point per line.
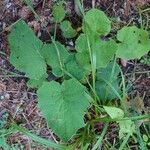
18 101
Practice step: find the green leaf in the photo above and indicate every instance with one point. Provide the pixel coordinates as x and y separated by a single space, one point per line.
105 51
96 23
68 31
126 127
54 59
134 44
3 143
110 74
58 12
145 138
63 106
33 83
82 55
114 112
25 55
81 43
74 69
83 60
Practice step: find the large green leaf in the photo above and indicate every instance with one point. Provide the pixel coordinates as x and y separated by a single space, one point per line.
58 12
96 23
74 68
25 47
55 55
67 30
63 106
105 51
134 44
109 74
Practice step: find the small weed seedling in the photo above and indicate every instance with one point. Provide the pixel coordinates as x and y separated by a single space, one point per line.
88 76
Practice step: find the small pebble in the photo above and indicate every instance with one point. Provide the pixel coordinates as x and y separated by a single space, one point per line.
2 97
7 96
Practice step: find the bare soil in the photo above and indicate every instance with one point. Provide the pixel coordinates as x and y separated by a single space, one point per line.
19 101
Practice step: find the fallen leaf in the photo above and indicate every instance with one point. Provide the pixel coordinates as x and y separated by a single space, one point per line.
139 104
123 62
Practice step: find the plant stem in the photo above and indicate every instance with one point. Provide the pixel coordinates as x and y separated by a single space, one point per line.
12 74
124 142
32 9
106 119
93 62
91 54
111 76
55 31
147 9
94 92
2 53
113 89
123 104
58 54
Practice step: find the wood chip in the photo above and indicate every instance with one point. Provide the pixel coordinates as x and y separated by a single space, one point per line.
2 87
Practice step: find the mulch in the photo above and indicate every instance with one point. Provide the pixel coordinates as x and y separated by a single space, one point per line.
19 101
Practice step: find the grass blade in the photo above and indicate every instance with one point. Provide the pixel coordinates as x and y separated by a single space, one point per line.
124 142
40 140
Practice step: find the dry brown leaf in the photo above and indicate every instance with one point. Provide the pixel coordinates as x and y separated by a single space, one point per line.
139 104
123 62
35 25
